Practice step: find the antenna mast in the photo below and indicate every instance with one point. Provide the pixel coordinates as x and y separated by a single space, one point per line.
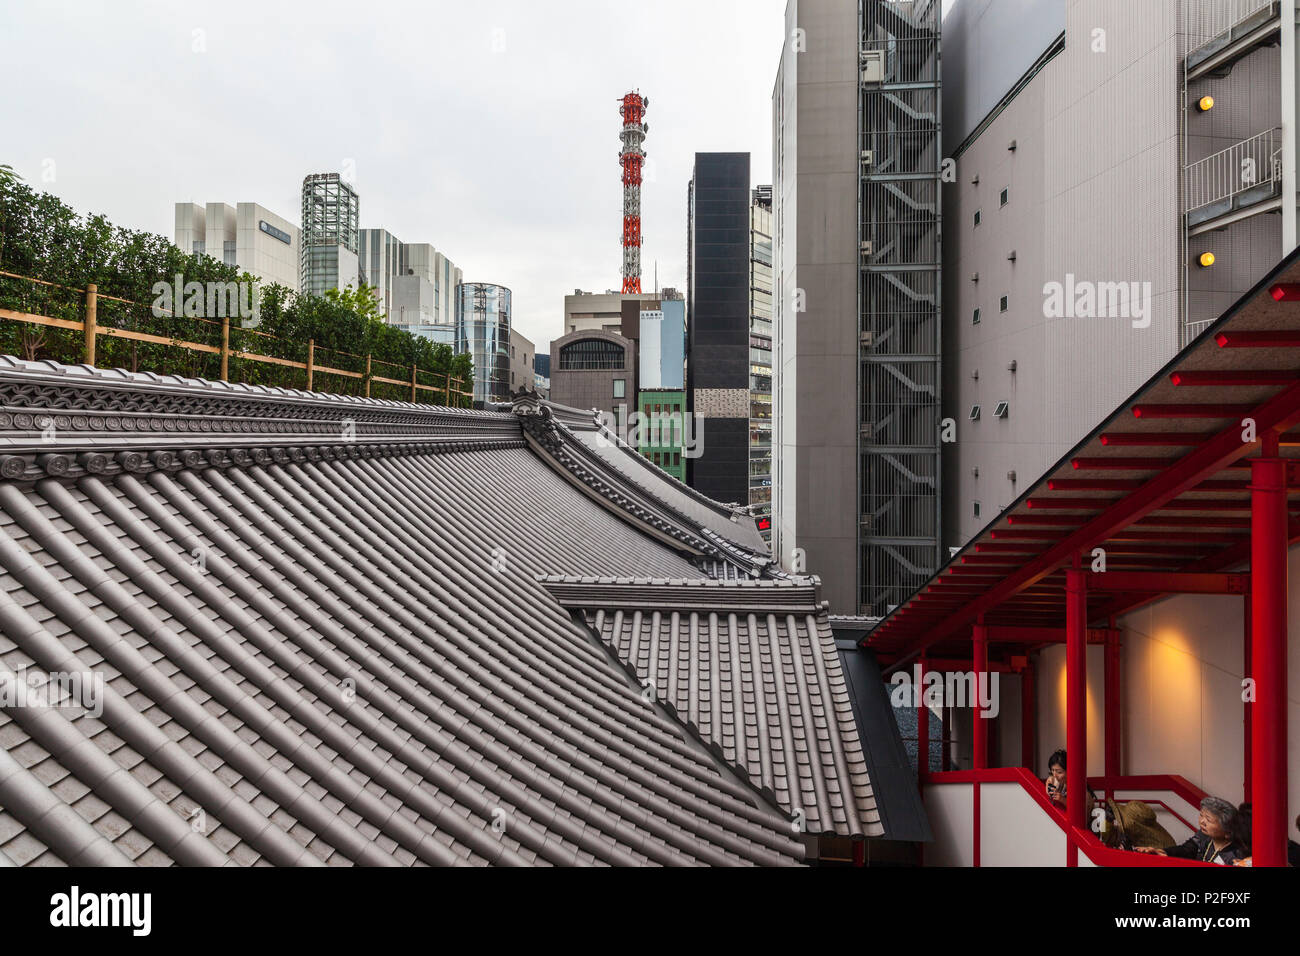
632 158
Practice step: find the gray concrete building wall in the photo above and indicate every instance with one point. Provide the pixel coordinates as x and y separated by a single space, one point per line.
815 353
1093 196
522 351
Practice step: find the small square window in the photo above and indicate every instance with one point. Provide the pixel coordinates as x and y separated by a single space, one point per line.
977 217
1005 196
1003 303
975 510
975 317
620 388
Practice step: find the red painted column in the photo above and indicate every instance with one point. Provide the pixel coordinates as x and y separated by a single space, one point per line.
979 721
922 726
1113 708
1028 715
1247 710
1076 688
1268 601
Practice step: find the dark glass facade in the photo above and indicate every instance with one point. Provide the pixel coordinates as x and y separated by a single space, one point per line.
718 323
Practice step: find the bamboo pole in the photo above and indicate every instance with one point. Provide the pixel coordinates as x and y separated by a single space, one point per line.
92 313
412 381
225 349
368 358
311 361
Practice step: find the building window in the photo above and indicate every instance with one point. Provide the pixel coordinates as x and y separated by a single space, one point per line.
620 388
591 354
1003 303
975 317
976 509
1005 196
977 217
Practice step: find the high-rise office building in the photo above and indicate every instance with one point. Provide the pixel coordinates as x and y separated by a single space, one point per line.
718 306
379 262
483 332
760 358
247 236
330 244
856 262
414 283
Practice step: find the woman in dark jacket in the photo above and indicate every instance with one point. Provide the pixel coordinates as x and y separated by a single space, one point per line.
1217 841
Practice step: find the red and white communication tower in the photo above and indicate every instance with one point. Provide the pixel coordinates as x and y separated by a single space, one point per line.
632 158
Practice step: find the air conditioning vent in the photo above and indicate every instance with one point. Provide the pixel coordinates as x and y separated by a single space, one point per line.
974 413
873 66
1001 410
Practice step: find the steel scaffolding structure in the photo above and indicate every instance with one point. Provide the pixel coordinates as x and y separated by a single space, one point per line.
330 213
898 300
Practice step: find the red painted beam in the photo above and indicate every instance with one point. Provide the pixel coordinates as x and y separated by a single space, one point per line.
1275 339
1285 292
1174 521
1069 504
1156 410
1169 582
1051 520
1268 651
1121 464
1093 484
1002 534
1154 439
1232 377
1207 504
1076 683
1016 634
1130 535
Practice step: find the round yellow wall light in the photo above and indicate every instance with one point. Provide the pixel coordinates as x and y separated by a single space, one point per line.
1206 259
1205 104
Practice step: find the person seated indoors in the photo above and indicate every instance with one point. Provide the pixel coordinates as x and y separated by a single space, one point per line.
1055 783
1056 779
1216 842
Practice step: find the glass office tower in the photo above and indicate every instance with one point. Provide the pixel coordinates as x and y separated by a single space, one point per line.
483 332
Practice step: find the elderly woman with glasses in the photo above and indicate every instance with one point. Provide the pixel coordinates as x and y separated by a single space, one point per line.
1215 843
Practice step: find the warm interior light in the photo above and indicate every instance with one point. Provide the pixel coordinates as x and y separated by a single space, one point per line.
1207 259
1205 104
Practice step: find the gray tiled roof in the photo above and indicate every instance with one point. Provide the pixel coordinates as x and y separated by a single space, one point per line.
751 666
324 641
324 649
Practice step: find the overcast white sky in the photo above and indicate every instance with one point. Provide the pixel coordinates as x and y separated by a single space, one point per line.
506 161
